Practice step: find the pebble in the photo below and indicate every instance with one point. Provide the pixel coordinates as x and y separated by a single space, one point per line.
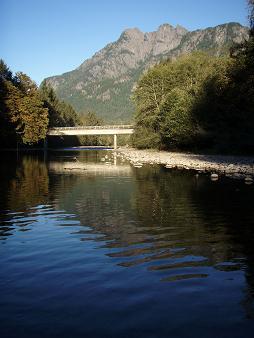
214 177
248 180
233 166
138 165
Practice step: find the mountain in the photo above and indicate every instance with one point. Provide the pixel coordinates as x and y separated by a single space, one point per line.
104 82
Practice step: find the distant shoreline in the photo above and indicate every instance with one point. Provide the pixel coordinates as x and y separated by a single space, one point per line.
234 166
41 149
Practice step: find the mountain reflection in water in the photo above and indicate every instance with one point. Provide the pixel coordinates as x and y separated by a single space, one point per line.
151 252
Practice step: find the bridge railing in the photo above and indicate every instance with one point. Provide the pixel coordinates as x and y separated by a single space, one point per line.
122 126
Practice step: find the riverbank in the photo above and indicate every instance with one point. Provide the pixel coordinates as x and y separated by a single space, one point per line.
233 166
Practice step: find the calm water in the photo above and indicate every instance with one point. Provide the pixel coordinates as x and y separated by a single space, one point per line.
92 249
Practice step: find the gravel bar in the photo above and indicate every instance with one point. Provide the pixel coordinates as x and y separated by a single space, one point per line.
233 166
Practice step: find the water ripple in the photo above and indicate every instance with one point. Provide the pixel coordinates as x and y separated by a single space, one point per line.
137 253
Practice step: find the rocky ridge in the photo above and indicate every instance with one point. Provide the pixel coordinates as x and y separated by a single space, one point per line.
104 82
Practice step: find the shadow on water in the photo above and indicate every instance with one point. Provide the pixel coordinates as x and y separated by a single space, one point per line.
154 225
24 184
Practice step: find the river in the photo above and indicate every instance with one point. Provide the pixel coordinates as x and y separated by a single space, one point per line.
94 247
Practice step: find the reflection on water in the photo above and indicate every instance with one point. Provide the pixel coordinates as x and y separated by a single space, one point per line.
94 247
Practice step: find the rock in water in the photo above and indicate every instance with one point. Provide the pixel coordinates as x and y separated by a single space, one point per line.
248 180
214 177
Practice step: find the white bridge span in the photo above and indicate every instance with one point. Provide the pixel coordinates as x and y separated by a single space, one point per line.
93 130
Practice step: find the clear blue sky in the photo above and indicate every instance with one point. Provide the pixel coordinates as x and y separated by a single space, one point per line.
49 37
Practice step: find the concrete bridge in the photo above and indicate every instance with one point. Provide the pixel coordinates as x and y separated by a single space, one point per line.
93 130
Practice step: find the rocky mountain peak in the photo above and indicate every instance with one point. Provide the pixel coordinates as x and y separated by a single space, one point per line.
104 82
165 27
131 33
181 30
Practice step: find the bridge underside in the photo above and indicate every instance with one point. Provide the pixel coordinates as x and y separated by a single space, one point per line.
88 131
79 132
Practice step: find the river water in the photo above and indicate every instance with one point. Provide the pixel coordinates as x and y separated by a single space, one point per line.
92 248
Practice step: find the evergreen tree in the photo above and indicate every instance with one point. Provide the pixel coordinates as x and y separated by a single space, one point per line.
7 131
25 109
229 106
22 114
61 114
91 119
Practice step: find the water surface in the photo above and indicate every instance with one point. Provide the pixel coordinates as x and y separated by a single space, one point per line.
92 248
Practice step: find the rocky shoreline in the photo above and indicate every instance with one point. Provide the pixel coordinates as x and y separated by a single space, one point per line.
241 167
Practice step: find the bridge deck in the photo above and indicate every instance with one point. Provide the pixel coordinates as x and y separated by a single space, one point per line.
120 126
91 130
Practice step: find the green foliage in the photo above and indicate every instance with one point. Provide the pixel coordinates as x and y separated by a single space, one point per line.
61 114
177 126
7 130
226 110
145 137
118 108
5 73
198 101
23 116
26 112
85 87
251 16
91 119
166 96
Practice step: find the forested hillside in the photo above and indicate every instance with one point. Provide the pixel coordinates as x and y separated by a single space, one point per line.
199 101
105 82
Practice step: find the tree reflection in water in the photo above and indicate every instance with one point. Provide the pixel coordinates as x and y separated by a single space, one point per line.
176 225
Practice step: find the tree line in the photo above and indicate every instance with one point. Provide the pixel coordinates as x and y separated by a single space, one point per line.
199 101
27 111
196 102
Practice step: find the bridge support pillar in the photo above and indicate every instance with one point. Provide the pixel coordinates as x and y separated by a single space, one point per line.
45 148
45 144
115 141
